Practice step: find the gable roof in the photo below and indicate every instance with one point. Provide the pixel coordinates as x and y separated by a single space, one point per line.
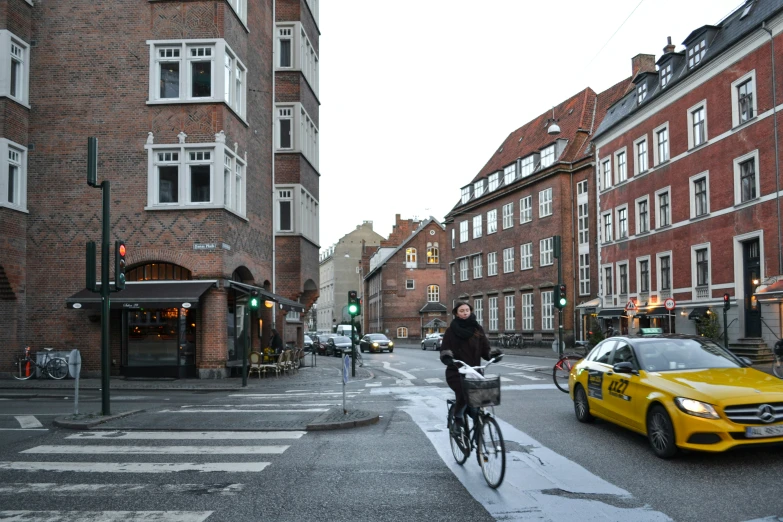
416 232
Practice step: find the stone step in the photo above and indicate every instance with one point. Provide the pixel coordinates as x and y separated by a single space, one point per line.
754 349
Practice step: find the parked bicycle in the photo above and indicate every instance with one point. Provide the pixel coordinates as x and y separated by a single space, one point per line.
777 364
52 367
562 368
481 430
512 340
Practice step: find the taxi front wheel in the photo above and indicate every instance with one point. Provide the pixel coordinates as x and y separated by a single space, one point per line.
660 432
581 406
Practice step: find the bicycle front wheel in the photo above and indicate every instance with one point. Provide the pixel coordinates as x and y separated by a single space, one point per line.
491 451
777 367
562 370
57 368
24 368
459 454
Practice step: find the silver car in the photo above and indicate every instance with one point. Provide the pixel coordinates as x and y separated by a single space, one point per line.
433 340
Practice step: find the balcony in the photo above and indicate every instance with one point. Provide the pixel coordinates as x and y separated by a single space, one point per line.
665 294
702 292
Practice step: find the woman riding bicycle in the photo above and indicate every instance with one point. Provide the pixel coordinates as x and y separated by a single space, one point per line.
465 341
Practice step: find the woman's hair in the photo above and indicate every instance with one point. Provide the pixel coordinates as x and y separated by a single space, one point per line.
461 303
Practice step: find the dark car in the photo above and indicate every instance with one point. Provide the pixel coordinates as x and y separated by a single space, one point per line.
320 343
433 340
376 342
337 345
308 343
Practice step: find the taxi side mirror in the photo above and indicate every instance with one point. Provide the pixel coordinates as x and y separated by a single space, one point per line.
624 367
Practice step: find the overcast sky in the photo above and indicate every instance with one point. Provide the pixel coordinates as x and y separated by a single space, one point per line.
416 95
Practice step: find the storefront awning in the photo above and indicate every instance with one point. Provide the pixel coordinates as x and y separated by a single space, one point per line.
433 307
658 311
773 292
436 323
612 312
698 312
593 303
284 302
146 294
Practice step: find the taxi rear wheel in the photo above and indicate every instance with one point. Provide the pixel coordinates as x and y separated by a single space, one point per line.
581 406
660 432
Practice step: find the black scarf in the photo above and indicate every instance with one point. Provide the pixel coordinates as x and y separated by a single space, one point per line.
464 328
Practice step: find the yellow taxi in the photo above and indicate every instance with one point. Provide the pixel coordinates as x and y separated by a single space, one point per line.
682 392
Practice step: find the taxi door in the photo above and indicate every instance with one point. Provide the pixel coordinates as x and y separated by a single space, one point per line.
621 390
596 373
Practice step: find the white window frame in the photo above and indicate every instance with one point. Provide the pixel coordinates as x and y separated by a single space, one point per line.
453 273
478 188
735 109
527 166
305 137
492 264
639 278
526 256
411 257
510 174
692 192
219 52
217 150
584 273
621 166
303 55
463 231
750 156
658 193
478 310
402 332
548 156
509 312
659 274
14 49
240 8
526 209
665 74
641 166
410 284
284 195
621 214
508 215
607 230
607 281
623 287
527 312
638 215
606 173
583 222
478 267
641 93
694 268
547 310
492 221
701 106
433 254
463 269
453 238
696 53
493 181
508 260
492 304
433 294
477 226
657 156
546 251
545 203
464 195
13 155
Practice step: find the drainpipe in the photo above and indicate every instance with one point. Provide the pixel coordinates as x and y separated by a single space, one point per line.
777 156
272 206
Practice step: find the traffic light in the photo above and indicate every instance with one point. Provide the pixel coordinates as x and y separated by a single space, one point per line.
119 265
354 306
561 299
726 301
254 301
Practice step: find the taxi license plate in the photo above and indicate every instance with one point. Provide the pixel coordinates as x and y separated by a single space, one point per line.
764 431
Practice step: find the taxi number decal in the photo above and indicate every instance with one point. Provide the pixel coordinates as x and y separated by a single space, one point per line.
618 386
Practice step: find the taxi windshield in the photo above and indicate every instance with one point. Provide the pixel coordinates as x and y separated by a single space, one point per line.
661 355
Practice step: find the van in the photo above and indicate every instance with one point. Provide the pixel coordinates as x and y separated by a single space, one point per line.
345 329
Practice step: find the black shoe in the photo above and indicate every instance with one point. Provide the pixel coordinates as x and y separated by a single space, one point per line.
458 433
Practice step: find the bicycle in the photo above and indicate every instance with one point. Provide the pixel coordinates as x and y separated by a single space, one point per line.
777 364
511 340
481 429
562 368
52 367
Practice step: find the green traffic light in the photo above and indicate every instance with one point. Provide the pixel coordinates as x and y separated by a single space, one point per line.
352 309
562 301
254 303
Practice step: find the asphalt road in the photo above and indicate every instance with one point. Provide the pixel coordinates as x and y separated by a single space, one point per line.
399 469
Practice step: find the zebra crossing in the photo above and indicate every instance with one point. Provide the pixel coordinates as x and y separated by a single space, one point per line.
91 465
526 374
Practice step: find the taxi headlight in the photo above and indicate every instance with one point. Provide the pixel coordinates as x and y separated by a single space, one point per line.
696 408
391 343
375 345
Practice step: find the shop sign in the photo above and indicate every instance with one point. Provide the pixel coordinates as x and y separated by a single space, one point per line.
204 246
77 305
131 305
185 305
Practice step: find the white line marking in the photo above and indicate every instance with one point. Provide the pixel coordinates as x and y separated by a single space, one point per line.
506 379
136 467
404 382
264 405
372 384
433 380
405 375
24 429
288 395
156 450
188 435
52 488
28 421
526 376
305 410
106 516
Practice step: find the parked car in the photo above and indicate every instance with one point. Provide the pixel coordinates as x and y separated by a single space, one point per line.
321 343
433 340
337 345
308 343
376 342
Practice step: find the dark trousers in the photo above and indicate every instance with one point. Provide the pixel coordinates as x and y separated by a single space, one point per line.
455 383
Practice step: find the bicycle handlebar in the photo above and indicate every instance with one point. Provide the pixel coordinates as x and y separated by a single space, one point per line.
479 367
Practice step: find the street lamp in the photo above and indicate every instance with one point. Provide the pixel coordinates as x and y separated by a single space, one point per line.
554 128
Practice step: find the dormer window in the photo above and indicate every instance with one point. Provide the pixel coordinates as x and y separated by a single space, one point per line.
465 195
528 165
696 53
510 174
548 156
666 75
641 93
478 188
493 181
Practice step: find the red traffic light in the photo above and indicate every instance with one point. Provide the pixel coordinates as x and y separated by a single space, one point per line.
122 249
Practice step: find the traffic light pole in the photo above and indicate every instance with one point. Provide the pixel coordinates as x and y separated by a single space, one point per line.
105 303
559 311
353 347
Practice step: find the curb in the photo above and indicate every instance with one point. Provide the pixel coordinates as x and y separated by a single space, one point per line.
356 419
74 424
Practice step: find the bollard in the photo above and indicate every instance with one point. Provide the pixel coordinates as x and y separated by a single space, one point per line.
74 368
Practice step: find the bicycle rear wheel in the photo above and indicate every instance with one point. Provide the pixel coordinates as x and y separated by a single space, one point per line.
777 367
562 369
459 454
491 450
24 368
57 368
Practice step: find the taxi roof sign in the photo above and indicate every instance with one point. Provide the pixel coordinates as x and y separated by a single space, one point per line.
650 331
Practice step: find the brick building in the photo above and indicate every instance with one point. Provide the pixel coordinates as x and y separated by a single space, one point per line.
688 166
180 96
403 281
536 186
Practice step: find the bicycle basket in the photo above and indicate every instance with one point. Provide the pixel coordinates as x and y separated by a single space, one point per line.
482 392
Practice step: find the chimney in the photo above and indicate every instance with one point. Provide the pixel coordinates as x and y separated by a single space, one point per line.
669 47
642 63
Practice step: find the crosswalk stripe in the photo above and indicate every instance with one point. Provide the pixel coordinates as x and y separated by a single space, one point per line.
136 467
52 488
525 376
155 450
289 395
303 404
106 516
372 384
434 380
506 379
188 435
224 410
24 429
28 421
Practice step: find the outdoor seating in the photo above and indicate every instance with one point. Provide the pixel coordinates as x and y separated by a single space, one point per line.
254 366
283 361
273 366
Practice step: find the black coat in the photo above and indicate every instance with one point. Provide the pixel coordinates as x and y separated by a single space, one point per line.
470 351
